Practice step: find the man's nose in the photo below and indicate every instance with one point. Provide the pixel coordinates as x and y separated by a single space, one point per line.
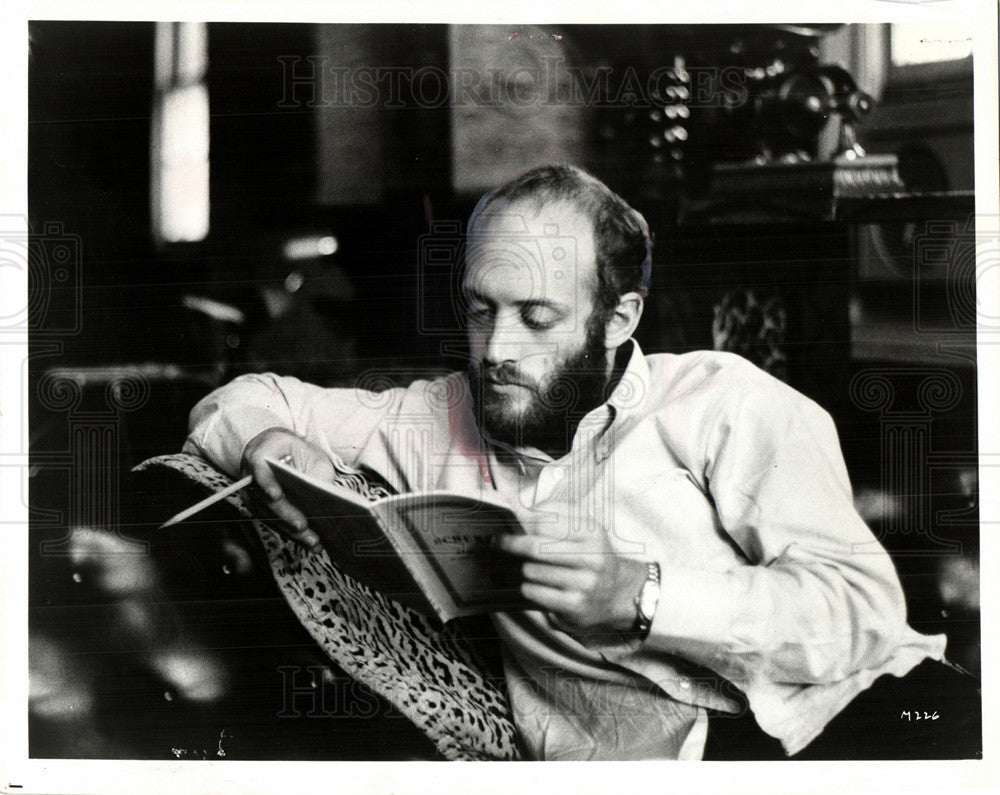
504 341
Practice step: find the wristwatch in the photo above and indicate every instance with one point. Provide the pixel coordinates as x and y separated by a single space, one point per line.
645 602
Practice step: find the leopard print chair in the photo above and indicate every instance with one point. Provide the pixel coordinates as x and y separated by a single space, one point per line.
444 679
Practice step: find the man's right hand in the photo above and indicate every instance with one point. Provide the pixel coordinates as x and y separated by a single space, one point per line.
278 443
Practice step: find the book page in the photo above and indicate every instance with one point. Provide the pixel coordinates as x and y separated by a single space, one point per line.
451 536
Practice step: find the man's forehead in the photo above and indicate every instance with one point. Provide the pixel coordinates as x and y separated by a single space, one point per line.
540 217
527 251
552 234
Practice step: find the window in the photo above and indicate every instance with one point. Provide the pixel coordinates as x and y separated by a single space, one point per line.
180 166
929 53
913 43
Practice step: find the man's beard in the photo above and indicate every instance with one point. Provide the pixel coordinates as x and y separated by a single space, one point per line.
553 407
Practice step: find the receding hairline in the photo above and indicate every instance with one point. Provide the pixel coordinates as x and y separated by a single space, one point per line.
615 225
539 204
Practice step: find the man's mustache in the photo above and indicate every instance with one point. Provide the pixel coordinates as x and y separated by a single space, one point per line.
503 375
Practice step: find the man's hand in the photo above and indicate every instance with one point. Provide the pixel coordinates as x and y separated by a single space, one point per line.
578 578
278 443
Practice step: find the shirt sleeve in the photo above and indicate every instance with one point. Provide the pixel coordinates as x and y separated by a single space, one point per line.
340 421
819 598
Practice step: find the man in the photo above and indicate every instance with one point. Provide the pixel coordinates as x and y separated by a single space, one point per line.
693 552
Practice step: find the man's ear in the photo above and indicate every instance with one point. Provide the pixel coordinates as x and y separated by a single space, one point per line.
623 321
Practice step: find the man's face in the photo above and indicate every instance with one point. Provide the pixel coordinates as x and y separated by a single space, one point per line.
529 284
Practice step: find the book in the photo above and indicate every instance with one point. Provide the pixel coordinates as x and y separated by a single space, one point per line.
431 551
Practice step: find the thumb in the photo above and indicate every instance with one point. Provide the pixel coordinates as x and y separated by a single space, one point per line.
264 478
321 466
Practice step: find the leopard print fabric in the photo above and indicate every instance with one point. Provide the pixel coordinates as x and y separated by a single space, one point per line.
752 327
433 676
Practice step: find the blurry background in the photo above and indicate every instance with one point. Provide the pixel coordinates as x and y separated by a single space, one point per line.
212 199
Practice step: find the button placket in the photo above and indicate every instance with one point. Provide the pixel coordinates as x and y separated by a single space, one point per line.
549 479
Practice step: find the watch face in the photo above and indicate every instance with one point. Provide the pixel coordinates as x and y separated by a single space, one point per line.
648 598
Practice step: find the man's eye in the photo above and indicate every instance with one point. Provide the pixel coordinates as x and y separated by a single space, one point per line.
539 320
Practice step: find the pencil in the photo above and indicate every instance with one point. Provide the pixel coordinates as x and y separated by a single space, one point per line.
242 483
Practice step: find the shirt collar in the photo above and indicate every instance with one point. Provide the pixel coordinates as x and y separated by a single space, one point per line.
633 386
629 393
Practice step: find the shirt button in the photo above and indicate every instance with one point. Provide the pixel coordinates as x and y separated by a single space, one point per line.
558 473
685 683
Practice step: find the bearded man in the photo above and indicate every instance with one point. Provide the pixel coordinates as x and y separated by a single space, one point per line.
702 583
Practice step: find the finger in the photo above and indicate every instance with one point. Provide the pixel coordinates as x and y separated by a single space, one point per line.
562 577
294 524
264 478
288 513
319 465
540 549
555 600
298 454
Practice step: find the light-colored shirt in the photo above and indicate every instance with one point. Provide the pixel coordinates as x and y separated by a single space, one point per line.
772 584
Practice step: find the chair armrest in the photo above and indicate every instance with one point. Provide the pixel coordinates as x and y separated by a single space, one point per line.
444 679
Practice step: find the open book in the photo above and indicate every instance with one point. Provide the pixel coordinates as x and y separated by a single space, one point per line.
430 551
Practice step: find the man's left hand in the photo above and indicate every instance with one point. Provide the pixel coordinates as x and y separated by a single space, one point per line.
579 578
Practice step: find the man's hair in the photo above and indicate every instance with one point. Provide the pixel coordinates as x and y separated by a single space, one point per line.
621 236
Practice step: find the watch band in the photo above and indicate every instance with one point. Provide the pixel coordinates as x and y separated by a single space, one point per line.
647 599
